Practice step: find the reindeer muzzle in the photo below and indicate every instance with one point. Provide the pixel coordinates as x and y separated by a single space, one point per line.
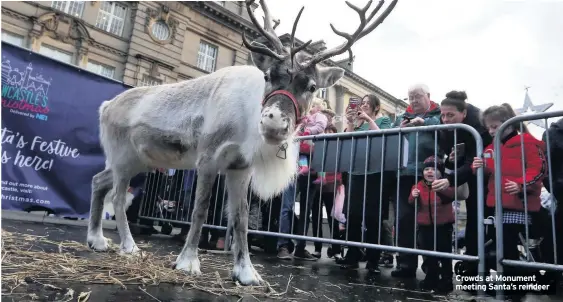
291 97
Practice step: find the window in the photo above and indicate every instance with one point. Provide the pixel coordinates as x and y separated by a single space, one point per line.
74 8
149 81
322 93
111 17
55 53
206 56
161 31
106 71
12 38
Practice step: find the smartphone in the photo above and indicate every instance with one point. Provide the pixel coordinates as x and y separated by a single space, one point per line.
406 118
354 102
459 149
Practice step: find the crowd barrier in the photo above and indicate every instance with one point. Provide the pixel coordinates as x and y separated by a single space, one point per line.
169 196
532 258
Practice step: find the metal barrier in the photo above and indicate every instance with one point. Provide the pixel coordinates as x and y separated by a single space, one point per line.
368 160
530 262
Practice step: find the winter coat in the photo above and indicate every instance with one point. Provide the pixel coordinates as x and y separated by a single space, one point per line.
313 125
511 166
464 163
426 139
430 209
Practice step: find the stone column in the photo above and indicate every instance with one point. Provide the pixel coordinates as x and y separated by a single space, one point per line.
82 60
34 41
339 106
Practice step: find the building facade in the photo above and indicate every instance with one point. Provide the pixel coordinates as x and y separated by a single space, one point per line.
351 85
150 43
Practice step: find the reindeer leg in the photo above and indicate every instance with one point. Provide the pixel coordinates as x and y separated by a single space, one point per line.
187 259
101 185
237 188
127 245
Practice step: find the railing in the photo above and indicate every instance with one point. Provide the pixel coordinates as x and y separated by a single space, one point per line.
383 154
529 190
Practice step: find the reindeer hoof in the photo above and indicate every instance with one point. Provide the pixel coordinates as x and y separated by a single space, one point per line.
125 250
246 275
98 243
189 266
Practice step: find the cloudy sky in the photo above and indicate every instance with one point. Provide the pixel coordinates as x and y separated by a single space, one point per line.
492 49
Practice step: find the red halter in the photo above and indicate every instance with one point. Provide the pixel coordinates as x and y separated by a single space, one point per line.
291 97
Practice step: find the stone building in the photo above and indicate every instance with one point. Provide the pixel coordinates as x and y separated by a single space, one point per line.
150 43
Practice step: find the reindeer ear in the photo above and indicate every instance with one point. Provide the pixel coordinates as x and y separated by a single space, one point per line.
261 61
328 76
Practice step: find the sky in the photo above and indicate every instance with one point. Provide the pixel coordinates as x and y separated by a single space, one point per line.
492 49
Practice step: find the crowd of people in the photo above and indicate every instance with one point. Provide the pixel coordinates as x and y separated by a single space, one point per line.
385 207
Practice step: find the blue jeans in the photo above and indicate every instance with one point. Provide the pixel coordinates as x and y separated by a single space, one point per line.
286 213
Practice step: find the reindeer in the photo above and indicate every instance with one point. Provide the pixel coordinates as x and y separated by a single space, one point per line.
239 120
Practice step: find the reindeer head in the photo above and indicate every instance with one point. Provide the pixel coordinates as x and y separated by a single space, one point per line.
292 76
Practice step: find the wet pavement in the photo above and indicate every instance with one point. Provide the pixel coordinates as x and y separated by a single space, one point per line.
322 280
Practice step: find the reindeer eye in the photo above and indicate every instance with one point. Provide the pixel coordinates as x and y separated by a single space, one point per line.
313 88
266 77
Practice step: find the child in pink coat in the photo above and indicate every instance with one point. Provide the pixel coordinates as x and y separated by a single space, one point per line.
314 123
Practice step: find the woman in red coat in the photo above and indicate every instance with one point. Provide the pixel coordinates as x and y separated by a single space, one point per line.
515 184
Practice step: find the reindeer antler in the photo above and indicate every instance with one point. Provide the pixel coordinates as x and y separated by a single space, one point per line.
276 22
268 32
360 32
294 50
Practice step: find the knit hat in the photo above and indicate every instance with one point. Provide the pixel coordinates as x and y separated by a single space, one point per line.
431 162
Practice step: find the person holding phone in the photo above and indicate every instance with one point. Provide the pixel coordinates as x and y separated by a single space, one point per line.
420 112
364 115
460 152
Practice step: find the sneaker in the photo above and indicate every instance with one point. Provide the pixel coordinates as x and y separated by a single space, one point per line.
304 255
330 253
284 254
372 268
386 260
339 259
317 254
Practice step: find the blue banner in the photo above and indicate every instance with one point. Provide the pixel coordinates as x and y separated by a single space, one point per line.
50 143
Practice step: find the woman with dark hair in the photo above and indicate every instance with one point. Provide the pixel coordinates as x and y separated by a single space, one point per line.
455 110
368 117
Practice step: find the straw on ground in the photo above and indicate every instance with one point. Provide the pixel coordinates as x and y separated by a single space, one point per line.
36 259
